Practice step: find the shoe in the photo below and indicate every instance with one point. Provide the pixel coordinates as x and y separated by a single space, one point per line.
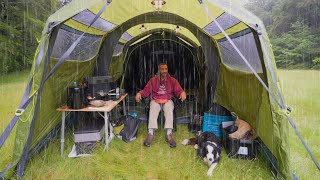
147 142
170 141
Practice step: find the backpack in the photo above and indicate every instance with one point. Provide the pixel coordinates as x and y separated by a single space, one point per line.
127 128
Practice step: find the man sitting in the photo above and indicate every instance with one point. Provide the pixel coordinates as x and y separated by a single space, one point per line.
162 88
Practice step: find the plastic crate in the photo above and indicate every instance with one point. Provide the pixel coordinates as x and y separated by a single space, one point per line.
239 148
213 123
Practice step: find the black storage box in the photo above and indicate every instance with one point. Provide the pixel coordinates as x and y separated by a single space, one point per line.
88 131
90 127
99 83
235 148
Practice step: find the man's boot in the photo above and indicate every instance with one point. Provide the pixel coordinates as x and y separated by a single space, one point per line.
170 141
147 142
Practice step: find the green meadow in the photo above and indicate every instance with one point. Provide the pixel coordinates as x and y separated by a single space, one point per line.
301 90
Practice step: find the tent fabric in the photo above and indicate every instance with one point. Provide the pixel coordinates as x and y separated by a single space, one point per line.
225 20
85 17
103 50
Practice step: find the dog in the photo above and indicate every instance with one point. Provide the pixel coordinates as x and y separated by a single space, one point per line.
244 129
209 149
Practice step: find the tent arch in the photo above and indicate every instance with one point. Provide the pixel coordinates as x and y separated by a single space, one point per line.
169 42
150 32
211 54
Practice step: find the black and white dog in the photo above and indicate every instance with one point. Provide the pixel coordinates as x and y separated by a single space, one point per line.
209 148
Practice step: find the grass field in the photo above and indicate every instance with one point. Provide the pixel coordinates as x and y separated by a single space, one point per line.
133 161
302 93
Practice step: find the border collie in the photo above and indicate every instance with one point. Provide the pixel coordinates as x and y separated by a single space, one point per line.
209 149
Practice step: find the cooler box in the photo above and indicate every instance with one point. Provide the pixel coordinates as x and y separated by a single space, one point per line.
213 123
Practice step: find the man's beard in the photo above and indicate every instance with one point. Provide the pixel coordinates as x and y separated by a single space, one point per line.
163 75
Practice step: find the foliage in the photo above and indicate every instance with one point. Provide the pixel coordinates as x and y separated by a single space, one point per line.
21 23
293 27
295 47
316 60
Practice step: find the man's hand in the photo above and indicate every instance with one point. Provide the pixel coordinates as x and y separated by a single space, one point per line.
183 96
138 97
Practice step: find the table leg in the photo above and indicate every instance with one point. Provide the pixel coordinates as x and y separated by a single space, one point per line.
124 106
107 125
62 131
106 128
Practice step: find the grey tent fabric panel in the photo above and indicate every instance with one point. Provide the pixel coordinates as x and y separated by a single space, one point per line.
235 9
235 35
118 49
248 48
86 49
106 52
225 20
126 36
85 17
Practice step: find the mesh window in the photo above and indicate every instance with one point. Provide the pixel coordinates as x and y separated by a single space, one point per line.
86 49
247 46
225 20
86 17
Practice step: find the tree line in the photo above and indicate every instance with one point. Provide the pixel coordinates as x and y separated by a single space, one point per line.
21 24
293 28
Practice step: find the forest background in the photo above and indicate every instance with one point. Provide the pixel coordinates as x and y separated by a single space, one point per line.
293 27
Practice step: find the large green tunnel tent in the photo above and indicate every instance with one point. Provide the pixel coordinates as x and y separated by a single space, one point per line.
198 54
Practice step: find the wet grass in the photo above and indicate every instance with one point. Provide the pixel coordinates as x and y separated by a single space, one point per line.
133 161
302 93
12 87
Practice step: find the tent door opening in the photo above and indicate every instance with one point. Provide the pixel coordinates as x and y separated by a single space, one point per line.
144 57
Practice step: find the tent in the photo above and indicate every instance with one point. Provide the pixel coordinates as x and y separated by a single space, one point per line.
215 48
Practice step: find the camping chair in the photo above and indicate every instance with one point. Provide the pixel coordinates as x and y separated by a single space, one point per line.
161 118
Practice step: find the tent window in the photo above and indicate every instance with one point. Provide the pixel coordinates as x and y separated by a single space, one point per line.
86 49
225 20
248 48
86 17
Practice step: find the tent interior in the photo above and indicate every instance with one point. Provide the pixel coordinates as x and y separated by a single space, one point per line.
162 46
199 56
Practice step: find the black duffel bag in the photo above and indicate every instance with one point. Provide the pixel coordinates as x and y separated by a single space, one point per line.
129 128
